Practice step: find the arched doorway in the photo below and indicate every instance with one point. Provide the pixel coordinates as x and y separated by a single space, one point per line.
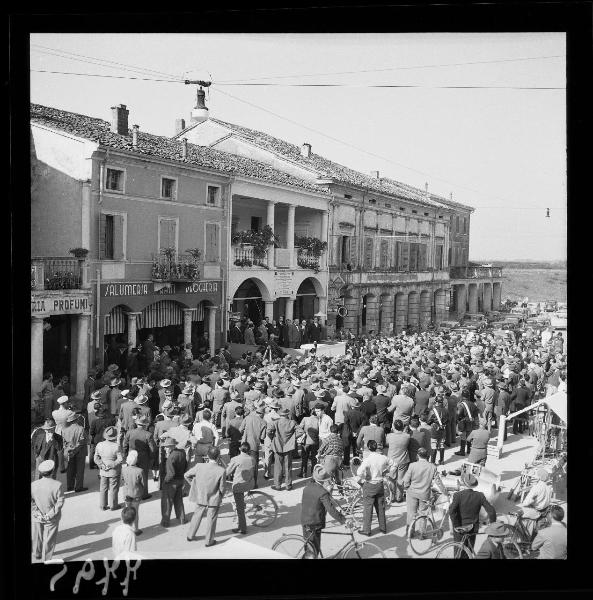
248 301
115 338
164 320
306 303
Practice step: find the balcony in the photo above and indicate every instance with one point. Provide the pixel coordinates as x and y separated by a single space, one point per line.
59 273
244 256
307 260
178 267
474 272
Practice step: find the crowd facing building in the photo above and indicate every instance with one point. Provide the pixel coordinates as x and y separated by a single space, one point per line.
135 234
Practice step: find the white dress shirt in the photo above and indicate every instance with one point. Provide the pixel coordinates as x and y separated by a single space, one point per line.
123 539
324 424
372 467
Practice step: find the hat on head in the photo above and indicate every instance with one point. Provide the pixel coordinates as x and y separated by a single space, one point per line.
72 417
488 382
64 399
284 412
141 399
142 420
95 395
124 393
47 466
48 424
259 385
114 382
166 404
169 443
319 394
381 388
165 383
320 474
274 405
497 529
469 480
110 433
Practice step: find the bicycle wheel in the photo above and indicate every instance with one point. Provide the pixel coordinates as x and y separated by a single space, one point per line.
363 550
354 464
455 550
422 534
511 549
295 546
261 509
388 494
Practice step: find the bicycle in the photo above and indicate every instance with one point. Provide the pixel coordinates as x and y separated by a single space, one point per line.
521 537
423 533
457 549
297 546
261 510
388 483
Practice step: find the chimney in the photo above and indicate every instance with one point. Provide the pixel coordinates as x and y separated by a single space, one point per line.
306 150
119 119
179 125
426 186
135 129
450 195
184 148
375 174
200 112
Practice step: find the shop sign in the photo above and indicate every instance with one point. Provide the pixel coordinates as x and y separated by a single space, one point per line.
283 283
63 304
135 290
109 290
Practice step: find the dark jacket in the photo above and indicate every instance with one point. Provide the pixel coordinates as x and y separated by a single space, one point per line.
381 404
465 508
316 502
490 550
44 450
354 419
99 425
140 439
176 466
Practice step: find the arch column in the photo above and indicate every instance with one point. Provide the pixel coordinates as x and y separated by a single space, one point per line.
132 333
324 231
440 309
496 294
270 221
187 316
288 308
424 309
401 312
413 309
290 236
386 314
212 329
372 315
487 299
269 309
461 298
82 351
36 354
353 316
473 298
323 308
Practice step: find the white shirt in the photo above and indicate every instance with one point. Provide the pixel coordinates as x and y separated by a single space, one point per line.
49 436
197 431
123 539
372 467
324 424
539 496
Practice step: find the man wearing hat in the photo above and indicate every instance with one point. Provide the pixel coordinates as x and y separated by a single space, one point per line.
467 417
165 385
240 468
315 504
47 499
452 399
282 432
308 437
537 500
492 547
140 439
253 430
465 511
103 420
75 449
437 421
228 411
270 417
354 420
114 395
108 458
131 477
61 414
173 482
47 445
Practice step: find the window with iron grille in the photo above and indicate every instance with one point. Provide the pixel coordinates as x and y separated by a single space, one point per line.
168 188
114 180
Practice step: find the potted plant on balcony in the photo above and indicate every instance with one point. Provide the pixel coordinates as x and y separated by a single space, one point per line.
79 252
313 247
259 241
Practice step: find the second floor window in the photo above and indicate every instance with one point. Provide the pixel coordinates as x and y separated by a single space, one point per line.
114 180
111 237
168 188
212 196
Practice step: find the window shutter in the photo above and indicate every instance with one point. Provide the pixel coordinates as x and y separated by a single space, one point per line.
338 250
405 262
211 242
118 237
353 243
396 254
368 252
413 257
384 253
102 220
422 257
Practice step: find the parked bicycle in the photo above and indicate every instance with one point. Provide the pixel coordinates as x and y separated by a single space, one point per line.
460 549
297 546
388 484
424 533
520 535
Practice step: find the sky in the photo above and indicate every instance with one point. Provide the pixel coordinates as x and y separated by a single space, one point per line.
502 151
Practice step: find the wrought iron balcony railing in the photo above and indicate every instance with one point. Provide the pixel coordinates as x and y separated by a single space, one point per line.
245 256
181 267
58 273
474 272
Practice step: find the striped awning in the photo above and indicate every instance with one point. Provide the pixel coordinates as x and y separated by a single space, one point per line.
161 314
115 321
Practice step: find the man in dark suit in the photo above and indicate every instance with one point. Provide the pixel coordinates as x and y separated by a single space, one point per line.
236 334
492 547
354 419
465 511
141 440
314 331
304 332
282 432
47 445
148 351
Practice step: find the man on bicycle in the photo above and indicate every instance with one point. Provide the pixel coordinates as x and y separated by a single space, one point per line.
465 511
315 504
537 500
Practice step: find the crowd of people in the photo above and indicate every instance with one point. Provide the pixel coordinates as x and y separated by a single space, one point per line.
396 402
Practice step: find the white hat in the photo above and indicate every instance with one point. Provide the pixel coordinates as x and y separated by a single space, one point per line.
47 466
62 399
165 383
124 393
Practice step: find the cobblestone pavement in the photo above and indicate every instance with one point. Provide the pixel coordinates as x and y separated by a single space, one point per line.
85 530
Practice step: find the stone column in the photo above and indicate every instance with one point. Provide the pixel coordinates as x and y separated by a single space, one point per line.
386 315
73 343
487 297
187 316
36 354
323 238
496 294
372 314
425 306
473 298
401 312
212 329
352 318
82 353
290 236
413 312
461 296
288 308
439 305
323 308
269 310
270 221
132 320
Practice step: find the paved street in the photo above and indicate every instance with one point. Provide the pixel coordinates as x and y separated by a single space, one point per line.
85 530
